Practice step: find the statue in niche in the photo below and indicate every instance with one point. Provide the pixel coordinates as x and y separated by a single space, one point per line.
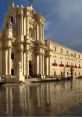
9 24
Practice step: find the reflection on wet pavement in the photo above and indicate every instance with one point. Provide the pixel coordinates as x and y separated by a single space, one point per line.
40 99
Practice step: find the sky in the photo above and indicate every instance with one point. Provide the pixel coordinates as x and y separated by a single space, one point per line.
63 19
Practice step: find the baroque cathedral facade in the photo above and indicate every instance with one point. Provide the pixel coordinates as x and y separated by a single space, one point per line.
25 52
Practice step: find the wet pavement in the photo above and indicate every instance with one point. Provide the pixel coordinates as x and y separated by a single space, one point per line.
41 99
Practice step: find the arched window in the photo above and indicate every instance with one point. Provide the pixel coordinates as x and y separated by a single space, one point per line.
12 56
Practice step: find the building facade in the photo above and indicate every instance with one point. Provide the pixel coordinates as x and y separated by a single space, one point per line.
25 52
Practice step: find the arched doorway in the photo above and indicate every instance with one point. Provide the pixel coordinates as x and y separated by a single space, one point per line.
30 68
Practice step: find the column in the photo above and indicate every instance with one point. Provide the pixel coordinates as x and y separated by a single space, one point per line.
49 66
40 64
9 61
40 32
27 64
43 64
37 32
24 63
6 62
43 32
21 58
21 23
27 27
20 73
21 36
37 65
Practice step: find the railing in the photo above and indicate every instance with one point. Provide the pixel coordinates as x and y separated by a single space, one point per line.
61 65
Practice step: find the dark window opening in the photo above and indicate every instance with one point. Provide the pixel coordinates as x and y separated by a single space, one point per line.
61 73
67 73
30 68
12 72
12 56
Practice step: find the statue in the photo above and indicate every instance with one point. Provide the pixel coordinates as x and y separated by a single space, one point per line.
9 24
30 2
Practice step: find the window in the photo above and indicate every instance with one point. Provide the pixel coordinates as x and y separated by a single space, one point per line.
55 48
61 51
61 73
11 17
75 54
54 61
12 72
79 56
67 52
54 73
12 56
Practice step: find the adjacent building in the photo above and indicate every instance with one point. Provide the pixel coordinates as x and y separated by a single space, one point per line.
24 51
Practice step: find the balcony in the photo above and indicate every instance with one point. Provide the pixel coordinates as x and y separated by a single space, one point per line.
75 66
67 65
61 65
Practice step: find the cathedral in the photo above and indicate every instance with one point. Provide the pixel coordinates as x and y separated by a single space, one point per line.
25 53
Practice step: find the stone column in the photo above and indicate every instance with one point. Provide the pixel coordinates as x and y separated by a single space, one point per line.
6 62
21 23
20 74
9 61
47 66
27 64
40 64
37 32
24 63
43 65
27 26
37 65
40 32
21 58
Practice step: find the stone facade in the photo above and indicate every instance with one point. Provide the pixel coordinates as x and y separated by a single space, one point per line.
25 53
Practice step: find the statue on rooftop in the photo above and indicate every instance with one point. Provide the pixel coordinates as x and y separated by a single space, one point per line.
9 24
30 2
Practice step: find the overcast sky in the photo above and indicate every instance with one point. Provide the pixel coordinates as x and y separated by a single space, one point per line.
63 19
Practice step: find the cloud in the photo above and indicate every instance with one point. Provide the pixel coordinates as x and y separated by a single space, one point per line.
65 22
